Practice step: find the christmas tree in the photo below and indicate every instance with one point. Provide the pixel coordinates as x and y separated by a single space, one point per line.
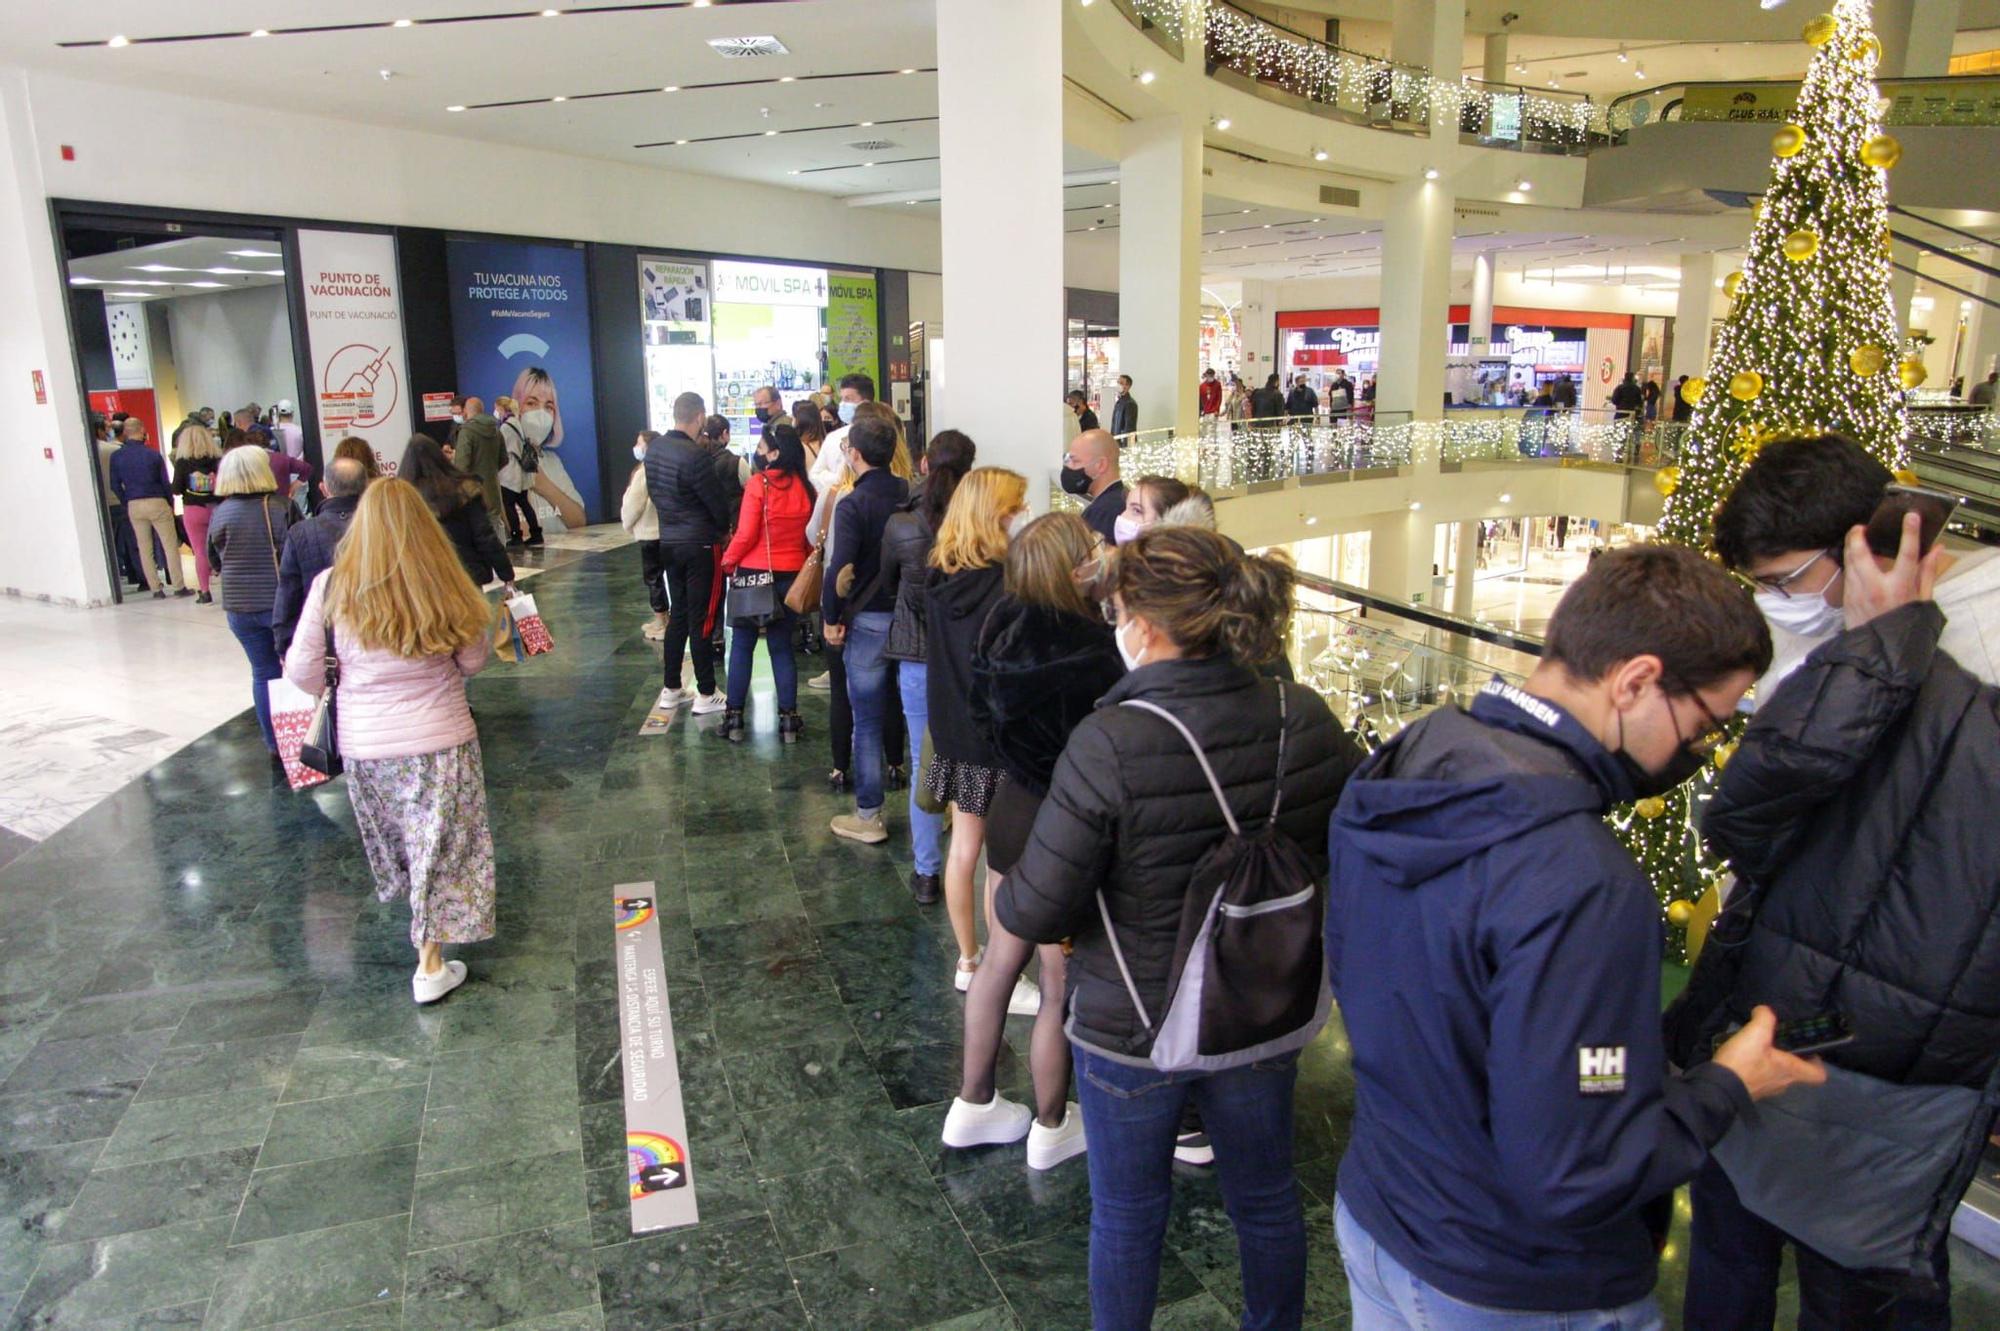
1811 345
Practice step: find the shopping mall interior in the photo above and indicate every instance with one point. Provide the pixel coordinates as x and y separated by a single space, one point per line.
1478 249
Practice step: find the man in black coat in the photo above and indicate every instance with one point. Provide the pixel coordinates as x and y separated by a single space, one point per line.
1124 411
1268 402
310 545
1855 815
681 478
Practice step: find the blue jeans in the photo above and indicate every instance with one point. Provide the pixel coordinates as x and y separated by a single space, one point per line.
925 828
1387 1297
777 637
254 632
1131 1116
867 694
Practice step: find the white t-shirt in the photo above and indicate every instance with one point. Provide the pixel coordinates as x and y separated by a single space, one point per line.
827 466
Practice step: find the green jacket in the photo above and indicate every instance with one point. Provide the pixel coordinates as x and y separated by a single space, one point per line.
480 452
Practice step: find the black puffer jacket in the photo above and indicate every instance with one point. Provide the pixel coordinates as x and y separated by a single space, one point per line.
1036 674
1858 802
1129 811
681 477
955 609
906 544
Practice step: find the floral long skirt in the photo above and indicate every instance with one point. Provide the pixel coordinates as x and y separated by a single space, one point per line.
423 824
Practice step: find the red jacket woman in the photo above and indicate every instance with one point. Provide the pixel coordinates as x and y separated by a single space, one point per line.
770 535
775 502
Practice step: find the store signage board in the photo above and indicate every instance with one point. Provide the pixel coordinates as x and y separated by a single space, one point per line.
437 406
852 343
769 284
660 1175
676 313
354 332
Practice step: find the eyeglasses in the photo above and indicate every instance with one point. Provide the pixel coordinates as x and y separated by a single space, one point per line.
1711 739
1781 583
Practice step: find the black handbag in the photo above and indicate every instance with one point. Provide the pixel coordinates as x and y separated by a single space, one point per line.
752 597
320 749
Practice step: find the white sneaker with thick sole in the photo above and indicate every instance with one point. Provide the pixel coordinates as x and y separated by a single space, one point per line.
672 698
994 1124
1026 1000
1049 1147
430 988
857 828
704 703
824 683
1193 1148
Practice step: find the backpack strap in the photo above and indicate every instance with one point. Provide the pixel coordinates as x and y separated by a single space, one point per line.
1278 794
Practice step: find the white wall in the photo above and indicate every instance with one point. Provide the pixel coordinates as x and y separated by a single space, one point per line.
233 347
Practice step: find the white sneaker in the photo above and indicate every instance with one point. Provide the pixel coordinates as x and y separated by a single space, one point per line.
967 968
430 988
655 630
994 1124
824 683
704 703
1049 1147
672 698
1193 1148
1026 1000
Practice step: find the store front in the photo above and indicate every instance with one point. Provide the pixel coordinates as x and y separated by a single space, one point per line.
1091 348
724 328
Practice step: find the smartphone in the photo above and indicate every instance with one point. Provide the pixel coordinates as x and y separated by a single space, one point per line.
1813 1035
1885 526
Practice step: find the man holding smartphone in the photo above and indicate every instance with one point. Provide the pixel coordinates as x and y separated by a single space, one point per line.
1784 527
1855 815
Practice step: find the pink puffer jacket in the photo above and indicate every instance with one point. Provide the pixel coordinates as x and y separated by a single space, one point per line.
390 706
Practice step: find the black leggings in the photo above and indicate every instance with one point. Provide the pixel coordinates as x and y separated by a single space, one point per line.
516 503
651 569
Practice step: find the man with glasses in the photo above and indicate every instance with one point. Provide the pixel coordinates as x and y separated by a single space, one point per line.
1783 527
1496 955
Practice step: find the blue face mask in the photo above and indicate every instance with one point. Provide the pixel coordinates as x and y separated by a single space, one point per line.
847 412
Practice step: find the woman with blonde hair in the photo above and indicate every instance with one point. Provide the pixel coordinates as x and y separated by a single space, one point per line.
196 461
246 535
407 627
962 586
523 527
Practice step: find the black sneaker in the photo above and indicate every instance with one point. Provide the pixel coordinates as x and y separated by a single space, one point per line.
836 780
159 596
894 779
1192 1148
924 887
203 598
533 541
182 591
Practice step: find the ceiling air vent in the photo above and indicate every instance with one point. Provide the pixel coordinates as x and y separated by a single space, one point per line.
871 145
743 48
1340 196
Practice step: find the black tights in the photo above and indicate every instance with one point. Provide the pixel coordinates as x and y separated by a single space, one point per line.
986 1020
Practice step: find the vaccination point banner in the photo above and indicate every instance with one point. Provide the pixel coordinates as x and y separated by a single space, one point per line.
520 320
852 346
354 334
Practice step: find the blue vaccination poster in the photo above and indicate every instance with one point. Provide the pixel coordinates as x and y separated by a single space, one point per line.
520 319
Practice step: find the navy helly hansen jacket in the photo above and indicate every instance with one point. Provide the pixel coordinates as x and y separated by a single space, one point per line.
1496 956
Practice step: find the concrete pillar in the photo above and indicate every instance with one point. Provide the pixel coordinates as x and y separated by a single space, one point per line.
1003 248
1431 33
1401 549
1465 569
1159 269
1416 296
1693 317
1480 333
1258 319
1982 326
1494 68
1916 37
1902 281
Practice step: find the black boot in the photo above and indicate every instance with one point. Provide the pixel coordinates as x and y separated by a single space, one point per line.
791 727
893 777
924 887
732 727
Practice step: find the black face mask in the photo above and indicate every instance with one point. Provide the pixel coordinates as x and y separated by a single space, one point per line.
1684 764
763 415
1075 481
758 462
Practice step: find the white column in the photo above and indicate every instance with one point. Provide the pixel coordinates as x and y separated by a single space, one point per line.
1494 67
1159 269
1003 248
1982 326
1259 322
1481 331
1416 296
1903 284
1401 549
1916 37
1431 33
1693 317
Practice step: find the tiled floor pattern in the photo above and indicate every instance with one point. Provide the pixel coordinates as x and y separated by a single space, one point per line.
219 1108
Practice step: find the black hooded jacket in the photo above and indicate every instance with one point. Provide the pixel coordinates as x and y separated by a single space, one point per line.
1036 674
955 609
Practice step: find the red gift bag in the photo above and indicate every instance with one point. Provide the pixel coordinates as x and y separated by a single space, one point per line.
528 624
291 715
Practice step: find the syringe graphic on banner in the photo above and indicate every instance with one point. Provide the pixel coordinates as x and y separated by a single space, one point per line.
365 377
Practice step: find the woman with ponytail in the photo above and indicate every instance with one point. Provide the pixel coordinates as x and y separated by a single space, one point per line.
1129 814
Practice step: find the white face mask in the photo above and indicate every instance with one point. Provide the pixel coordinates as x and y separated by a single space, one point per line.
1124 529
847 412
537 425
639 452
1018 523
1132 660
1806 615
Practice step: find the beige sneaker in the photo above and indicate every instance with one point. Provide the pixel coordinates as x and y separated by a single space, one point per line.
656 628
857 828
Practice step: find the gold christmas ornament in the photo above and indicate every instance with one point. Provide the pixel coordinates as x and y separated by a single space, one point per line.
1904 476
1911 373
1723 753
1745 385
1650 807
1801 245
1732 283
1820 31
1867 359
1667 480
1868 51
1680 913
1692 390
1788 140
1883 150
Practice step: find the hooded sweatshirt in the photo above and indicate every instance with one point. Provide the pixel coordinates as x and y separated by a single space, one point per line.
1513 1108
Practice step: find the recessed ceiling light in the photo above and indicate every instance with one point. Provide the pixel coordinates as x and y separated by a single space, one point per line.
1623 59
671 87
679 142
1638 71
1430 173
1312 520
867 124
789 78
386 74
1246 212
1506 498
700 4
794 171
551 13
1107 205
868 164
907 71
908 202
454 108
403 23
770 133
1222 122
1319 154
1267 226
558 99
1524 184
122 40
1147 76
1416 505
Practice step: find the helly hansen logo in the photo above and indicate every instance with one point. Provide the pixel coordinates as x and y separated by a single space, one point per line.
1600 1069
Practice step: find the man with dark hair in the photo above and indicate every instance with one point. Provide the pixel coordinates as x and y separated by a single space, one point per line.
857 606
129 566
854 389
1683 409
1268 402
1124 411
1854 813
1208 397
1079 407
1784 526
768 407
1496 955
310 545
681 478
1984 392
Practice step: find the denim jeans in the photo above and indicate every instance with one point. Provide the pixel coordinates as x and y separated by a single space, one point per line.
925 828
777 637
1387 1297
1734 1262
868 695
1131 1116
254 632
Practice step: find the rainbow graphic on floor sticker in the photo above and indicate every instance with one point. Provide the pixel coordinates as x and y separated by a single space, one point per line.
655 1163
633 911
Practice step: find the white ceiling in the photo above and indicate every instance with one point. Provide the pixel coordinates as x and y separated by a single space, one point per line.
186 266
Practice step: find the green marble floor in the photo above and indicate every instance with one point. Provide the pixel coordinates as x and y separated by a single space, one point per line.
218 1106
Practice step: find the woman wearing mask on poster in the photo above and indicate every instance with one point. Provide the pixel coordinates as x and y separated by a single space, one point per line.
541 426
